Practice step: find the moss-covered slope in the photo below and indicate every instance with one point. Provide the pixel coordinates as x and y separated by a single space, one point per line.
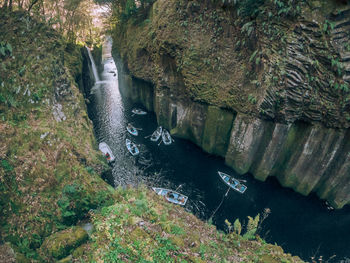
49 168
141 227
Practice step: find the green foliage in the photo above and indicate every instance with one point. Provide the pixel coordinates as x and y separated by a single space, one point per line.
130 8
248 28
252 227
177 230
5 49
337 66
248 8
237 227
6 166
76 201
328 26
253 55
251 99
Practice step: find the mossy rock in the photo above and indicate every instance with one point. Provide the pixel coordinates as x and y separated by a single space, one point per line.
66 259
268 259
178 241
78 252
139 233
195 259
62 243
20 258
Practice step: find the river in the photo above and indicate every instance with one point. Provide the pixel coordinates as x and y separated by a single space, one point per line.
303 226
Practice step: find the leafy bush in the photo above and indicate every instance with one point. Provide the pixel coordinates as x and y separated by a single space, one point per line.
76 201
5 49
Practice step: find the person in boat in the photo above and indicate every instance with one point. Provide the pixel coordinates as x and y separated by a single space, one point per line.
108 156
170 195
133 149
181 199
232 181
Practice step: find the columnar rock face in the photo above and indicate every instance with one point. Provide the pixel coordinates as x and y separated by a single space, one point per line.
307 158
273 103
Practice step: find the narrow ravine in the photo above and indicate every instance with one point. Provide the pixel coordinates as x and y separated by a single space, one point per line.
303 226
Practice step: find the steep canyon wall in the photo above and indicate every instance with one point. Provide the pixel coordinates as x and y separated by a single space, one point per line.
294 126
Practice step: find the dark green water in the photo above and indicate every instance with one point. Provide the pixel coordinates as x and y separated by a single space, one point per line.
302 225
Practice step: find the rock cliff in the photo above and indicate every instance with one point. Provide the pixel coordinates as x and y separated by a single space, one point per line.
270 94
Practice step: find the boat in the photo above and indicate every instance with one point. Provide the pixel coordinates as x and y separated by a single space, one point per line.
132 130
104 148
166 137
171 196
138 111
156 134
234 183
132 148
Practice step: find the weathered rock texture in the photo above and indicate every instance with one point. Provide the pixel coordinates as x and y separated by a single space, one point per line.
281 110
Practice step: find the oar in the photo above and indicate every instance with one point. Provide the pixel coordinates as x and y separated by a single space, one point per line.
135 127
160 142
148 136
223 198
178 187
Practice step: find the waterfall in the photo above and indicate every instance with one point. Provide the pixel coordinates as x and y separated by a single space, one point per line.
94 69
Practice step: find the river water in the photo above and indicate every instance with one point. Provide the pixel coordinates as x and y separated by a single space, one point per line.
303 226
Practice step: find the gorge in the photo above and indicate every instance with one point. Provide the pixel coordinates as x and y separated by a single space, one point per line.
280 111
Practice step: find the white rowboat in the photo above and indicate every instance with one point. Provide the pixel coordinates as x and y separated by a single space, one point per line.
156 134
132 148
235 184
171 196
132 130
138 112
166 137
104 148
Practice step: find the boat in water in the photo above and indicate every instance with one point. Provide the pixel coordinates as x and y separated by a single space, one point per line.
138 111
234 183
156 134
171 196
166 137
132 148
132 130
104 148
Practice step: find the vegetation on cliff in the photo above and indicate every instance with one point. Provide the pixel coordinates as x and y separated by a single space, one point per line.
283 60
141 227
